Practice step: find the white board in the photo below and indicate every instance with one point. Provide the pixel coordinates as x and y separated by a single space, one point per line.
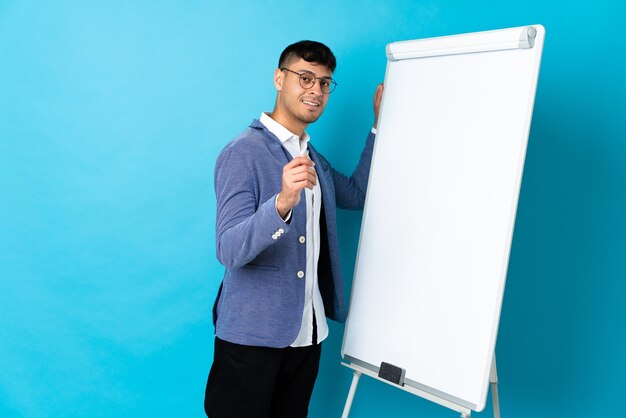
440 209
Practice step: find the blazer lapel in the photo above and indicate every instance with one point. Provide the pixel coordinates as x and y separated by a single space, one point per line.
273 143
323 174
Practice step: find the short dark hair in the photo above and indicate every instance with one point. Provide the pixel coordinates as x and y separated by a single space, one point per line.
310 51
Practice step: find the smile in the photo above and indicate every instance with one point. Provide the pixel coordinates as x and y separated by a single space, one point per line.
310 103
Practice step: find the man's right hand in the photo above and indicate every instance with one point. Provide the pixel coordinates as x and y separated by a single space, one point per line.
297 175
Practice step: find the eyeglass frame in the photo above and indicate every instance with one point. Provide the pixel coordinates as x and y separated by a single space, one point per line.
332 85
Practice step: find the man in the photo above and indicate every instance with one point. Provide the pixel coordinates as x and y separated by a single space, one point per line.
276 235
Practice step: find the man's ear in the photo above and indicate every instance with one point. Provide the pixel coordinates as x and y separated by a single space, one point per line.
278 79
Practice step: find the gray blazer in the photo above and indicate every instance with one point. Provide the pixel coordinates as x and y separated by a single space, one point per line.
261 298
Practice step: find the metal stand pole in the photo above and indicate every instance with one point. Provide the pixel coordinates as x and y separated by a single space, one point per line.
355 382
493 379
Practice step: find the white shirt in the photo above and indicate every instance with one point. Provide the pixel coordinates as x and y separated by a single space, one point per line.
312 297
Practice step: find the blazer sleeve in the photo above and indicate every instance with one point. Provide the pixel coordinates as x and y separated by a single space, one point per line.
244 226
350 191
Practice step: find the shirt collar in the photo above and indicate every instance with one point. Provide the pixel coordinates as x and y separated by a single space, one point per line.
282 133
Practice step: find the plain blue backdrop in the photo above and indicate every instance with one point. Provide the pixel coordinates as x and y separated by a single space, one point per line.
111 116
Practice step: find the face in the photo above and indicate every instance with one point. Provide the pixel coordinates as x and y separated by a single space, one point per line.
300 106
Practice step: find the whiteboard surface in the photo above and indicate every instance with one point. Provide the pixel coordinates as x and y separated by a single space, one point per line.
439 215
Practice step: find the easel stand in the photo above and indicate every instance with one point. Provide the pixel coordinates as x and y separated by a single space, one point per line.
464 411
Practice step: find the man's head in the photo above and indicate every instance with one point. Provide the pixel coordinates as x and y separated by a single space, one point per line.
303 82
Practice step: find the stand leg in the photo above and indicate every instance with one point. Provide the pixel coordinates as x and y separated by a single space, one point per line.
496 403
464 415
493 379
355 382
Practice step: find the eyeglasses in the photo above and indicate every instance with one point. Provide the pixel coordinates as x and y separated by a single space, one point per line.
307 81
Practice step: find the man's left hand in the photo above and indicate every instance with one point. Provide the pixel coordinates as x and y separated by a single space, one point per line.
378 97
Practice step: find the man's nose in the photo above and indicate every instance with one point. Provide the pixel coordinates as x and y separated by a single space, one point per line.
316 89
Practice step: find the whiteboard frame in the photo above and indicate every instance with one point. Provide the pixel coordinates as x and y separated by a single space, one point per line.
524 37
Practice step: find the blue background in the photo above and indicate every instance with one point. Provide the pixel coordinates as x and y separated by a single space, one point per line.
111 116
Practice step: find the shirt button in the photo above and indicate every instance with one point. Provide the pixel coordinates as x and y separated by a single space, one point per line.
282 231
274 236
300 274
302 239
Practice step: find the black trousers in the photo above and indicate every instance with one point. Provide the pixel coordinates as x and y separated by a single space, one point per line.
261 382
